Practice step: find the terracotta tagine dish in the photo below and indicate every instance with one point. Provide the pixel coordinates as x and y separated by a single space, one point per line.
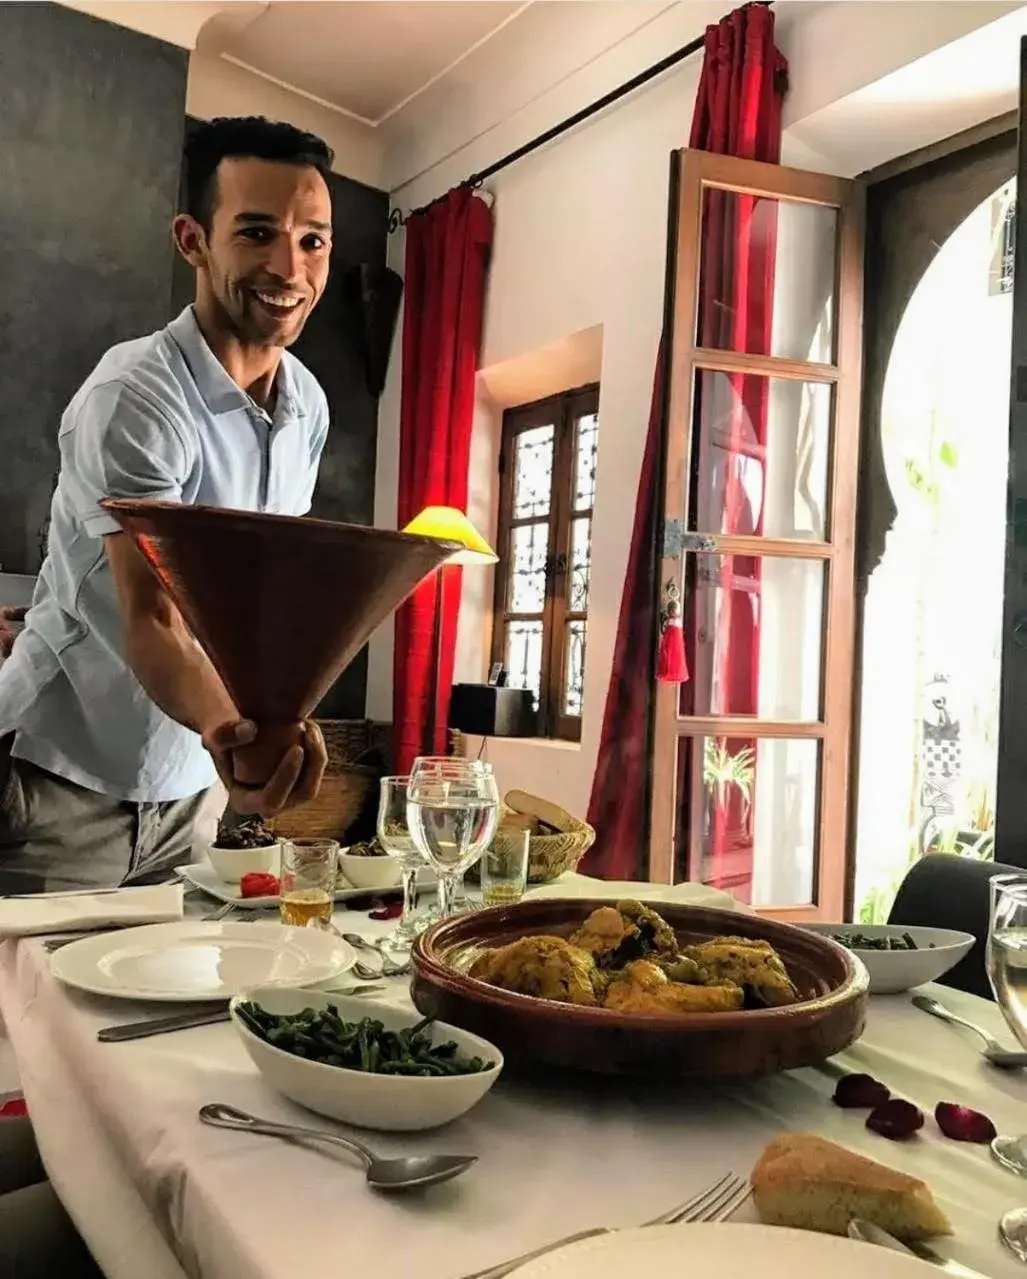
825 986
280 605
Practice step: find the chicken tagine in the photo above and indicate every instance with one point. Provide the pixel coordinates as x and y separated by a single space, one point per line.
627 958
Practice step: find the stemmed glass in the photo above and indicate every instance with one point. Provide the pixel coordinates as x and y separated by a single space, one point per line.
452 812
1007 950
395 838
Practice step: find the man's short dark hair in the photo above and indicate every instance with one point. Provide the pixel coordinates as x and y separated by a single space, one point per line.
249 138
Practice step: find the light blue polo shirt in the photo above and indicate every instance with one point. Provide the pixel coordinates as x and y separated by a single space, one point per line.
158 418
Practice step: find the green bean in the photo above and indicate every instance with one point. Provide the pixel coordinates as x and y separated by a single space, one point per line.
322 1035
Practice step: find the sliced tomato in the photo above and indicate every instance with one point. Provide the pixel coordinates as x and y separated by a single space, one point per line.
259 883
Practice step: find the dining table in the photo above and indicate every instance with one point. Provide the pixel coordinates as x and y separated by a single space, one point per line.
159 1195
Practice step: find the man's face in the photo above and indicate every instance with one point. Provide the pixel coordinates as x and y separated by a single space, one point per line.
264 260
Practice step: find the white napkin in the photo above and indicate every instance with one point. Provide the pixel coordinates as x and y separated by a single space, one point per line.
117 908
687 894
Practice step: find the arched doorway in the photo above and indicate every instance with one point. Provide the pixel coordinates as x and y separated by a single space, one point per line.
934 517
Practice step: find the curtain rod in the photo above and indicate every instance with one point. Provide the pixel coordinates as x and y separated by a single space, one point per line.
397 217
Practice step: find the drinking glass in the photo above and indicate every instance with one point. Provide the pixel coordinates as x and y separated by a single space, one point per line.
452 811
504 868
309 869
395 838
1007 950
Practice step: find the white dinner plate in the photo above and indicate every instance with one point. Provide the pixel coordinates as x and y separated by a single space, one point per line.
201 875
190 961
724 1251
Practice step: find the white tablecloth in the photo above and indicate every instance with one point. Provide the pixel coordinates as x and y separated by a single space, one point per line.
159 1195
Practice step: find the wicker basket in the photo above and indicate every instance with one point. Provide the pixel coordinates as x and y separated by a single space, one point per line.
550 856
345 789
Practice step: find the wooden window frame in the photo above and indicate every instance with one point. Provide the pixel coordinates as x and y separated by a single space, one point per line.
561 412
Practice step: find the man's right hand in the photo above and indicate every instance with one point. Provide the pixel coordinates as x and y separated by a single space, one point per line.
296 779
9 614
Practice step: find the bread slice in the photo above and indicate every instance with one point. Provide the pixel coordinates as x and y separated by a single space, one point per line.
804 1181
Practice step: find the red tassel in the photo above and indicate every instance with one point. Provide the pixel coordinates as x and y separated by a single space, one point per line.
671 664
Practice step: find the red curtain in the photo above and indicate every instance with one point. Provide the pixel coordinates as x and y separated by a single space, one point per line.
737 112
447 251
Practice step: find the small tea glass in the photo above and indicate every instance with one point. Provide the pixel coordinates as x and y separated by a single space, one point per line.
504 868
309 870
395 839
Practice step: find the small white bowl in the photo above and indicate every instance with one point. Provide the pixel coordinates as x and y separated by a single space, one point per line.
230 864
391 1103
371 873
891 971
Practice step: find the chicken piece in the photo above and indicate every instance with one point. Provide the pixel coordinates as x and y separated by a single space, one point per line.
662 937
546 967
747 962
601 933
644 988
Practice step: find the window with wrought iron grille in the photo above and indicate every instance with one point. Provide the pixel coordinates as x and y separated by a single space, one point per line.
547 495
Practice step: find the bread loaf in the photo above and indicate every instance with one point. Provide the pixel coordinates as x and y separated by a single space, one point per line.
804 1181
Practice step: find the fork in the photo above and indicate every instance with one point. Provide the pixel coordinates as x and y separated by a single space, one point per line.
715 1203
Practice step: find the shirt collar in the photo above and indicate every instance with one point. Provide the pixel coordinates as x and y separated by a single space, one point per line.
220 393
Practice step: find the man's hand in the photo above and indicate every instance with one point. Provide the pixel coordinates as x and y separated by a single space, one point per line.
296 779
8 635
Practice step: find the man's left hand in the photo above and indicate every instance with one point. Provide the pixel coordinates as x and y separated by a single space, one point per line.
296 779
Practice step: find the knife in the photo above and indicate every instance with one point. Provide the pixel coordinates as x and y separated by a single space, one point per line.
186 1021
867 1232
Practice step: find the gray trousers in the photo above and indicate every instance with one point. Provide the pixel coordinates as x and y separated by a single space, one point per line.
56 836
37 1237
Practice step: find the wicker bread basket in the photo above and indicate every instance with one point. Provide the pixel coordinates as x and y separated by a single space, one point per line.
345 789
549 855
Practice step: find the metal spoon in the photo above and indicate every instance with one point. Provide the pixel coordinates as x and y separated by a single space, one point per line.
409 1173
1004 1058
1012 1230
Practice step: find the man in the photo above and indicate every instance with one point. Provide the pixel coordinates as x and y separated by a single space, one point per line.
112 720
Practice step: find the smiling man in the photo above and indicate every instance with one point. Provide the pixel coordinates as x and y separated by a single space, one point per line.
112 720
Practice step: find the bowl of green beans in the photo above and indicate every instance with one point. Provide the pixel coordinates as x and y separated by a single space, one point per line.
363 1063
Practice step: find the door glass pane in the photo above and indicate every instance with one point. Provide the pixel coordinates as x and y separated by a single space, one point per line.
522 656
529 547
746 816
753 636
574 667
762 450
767 276
533 472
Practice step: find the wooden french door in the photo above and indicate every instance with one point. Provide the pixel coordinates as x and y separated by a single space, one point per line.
751 753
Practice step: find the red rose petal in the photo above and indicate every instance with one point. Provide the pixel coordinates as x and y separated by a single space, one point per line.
391 910
860 1092
960 1123
896 1119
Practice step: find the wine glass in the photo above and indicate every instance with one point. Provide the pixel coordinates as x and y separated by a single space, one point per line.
395 838
452 812
1007 950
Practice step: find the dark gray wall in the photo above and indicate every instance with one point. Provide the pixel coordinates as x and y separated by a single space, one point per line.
91 120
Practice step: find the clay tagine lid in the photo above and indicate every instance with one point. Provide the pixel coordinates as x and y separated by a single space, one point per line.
280 605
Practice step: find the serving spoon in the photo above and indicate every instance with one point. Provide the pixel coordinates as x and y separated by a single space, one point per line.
411 1172
1003 1058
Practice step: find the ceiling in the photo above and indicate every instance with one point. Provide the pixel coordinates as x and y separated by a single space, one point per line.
367 59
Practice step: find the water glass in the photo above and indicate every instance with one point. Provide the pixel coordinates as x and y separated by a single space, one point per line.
309 870
504 868
395 839
452 811
1007 950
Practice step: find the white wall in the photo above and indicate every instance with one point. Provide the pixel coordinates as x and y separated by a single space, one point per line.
580 235
218 87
